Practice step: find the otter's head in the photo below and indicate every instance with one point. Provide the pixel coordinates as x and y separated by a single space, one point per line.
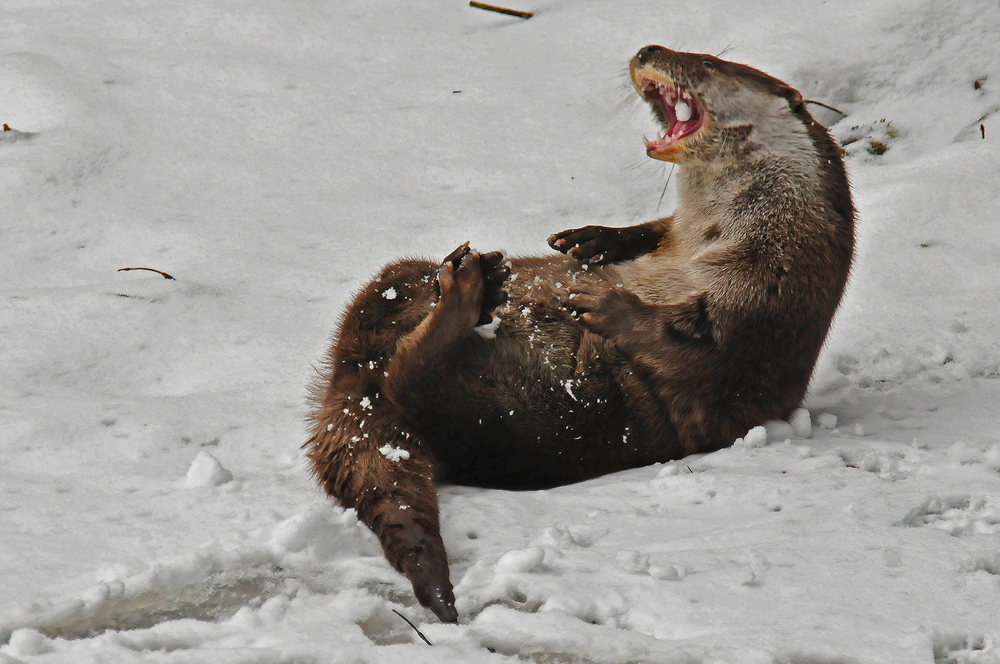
705 104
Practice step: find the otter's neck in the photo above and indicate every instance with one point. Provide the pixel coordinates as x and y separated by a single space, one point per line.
752 174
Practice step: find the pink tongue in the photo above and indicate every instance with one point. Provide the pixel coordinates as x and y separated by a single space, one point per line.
681 128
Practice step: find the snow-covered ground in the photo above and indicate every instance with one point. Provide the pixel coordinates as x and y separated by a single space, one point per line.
270 155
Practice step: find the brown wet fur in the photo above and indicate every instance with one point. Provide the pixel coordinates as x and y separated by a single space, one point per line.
643 344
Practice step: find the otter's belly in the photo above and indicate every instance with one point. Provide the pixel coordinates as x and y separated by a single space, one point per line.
540 404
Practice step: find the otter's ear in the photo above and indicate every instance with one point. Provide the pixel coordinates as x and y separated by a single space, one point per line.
794 98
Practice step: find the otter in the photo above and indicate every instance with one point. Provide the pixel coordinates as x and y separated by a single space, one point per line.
631 346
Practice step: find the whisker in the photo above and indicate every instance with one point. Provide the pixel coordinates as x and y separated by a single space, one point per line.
665 184
725 50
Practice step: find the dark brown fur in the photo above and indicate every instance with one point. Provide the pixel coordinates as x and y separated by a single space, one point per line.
645 344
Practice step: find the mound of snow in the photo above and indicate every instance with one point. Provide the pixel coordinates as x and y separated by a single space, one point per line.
206 470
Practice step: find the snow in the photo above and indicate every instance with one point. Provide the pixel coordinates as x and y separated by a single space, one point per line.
778 430
801 423
827 420
488 330
394 453
683 111
271 156
206 470
759 436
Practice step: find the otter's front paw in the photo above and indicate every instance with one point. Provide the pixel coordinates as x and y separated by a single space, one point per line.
604 310
495 273
471 284
596 244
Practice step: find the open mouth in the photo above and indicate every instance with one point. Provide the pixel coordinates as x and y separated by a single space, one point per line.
680 113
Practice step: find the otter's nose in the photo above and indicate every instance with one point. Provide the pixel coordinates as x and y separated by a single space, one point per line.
646 51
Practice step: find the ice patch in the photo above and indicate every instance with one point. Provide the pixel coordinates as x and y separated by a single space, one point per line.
207 587
206 470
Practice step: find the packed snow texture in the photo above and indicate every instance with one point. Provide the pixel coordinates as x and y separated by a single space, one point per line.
206 470
154 503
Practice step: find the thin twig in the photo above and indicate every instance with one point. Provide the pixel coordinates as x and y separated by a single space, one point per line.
819 103
148 269
419 633
500 10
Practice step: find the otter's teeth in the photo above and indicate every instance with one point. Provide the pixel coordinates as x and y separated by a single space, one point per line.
682 111
652 145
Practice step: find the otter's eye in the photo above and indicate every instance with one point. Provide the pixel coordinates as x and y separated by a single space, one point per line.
708 65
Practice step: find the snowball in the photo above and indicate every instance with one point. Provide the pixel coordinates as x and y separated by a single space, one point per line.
389 293
206 470
827 420
801 423
394 453
778 430
756 437
682 111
